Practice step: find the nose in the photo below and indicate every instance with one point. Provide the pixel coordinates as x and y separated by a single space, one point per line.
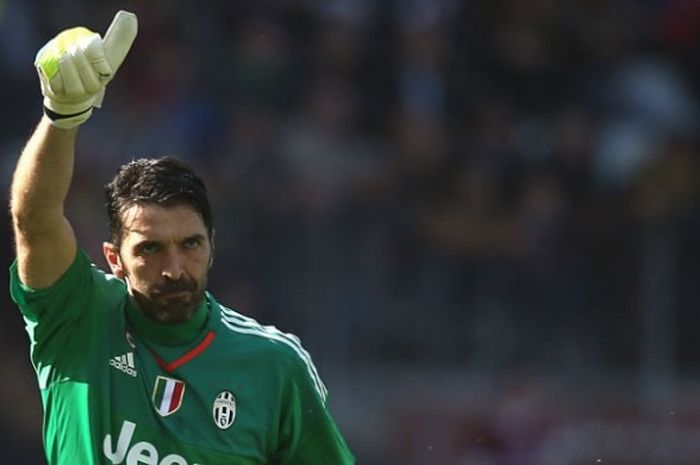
172 265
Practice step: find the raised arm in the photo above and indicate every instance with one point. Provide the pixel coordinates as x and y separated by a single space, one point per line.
44 240
74 68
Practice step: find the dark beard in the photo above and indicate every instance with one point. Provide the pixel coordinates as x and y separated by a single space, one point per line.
171 303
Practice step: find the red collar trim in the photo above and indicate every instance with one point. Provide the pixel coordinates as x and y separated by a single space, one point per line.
196 351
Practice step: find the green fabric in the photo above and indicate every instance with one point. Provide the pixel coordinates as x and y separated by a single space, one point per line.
97 375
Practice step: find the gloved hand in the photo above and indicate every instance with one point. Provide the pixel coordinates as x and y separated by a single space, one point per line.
75 66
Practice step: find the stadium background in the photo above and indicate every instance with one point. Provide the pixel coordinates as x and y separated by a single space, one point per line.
481 217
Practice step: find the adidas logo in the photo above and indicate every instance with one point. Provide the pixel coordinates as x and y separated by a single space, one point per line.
124 363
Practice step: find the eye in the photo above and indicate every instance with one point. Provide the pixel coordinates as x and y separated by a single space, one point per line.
148 248
192 242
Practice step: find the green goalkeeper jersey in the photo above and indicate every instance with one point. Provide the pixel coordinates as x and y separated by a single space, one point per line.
118 388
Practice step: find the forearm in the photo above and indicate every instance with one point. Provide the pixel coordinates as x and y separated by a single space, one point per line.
42 178
44 239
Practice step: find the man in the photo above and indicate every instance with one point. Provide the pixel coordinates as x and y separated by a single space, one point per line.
143 366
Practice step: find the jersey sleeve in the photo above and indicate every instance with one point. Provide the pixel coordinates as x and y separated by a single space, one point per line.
54 316
309 435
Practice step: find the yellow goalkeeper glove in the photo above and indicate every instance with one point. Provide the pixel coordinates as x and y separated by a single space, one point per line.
75 66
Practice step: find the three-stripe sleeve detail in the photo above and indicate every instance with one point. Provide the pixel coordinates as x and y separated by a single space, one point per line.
246 325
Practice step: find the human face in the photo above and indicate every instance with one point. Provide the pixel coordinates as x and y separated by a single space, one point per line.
164 257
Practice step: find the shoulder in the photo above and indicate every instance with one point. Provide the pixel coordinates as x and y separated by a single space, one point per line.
265 338
278 348
107 281
80 283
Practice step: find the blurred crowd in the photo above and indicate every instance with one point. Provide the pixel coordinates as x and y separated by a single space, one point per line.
491 186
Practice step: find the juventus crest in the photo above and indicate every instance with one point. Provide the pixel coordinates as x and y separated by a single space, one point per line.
224 410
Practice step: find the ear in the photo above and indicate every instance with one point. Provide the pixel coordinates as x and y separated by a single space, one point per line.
111 253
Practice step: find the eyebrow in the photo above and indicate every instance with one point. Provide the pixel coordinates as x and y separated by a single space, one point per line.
198 236
141 243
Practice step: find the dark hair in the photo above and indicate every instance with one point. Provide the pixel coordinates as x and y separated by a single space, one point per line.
164 181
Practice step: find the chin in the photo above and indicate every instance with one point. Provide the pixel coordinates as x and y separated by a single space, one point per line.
170 310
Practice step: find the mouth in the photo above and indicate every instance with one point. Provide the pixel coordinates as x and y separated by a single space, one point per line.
172 294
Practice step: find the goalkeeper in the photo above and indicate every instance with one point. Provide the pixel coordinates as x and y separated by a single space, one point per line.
143 365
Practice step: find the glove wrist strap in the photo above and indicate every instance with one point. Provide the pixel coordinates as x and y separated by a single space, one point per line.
53 116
